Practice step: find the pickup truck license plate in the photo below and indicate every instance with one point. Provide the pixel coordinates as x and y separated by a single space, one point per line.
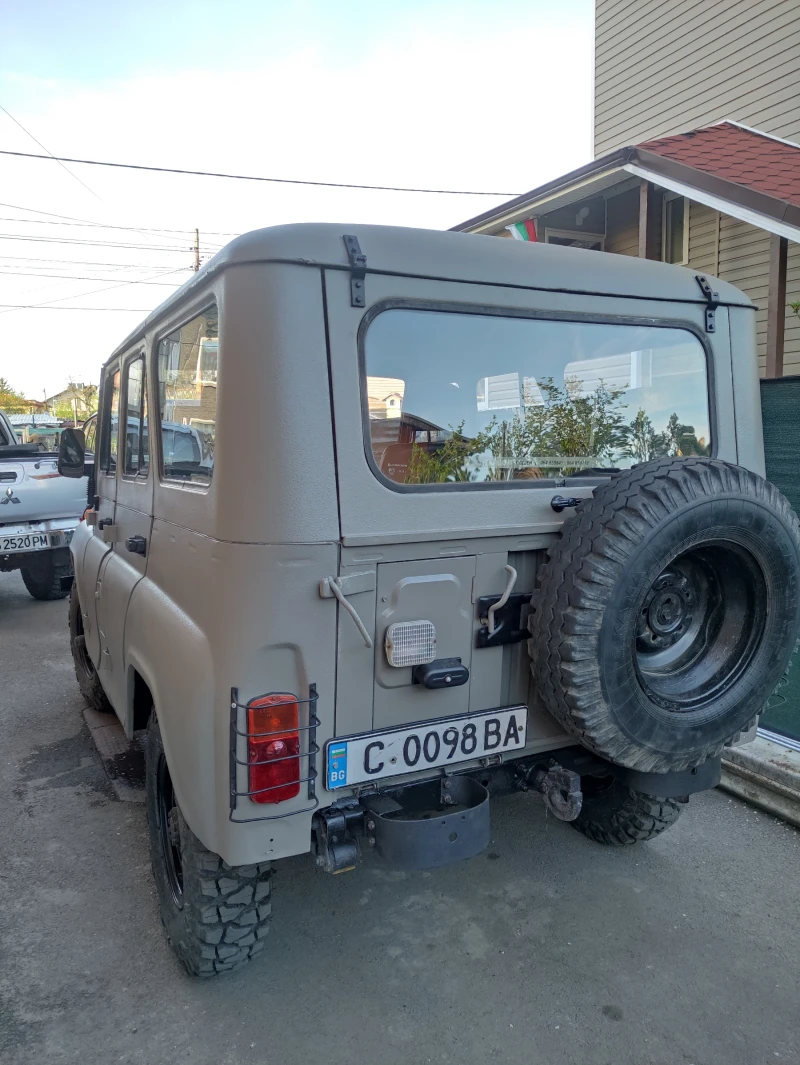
25 542
375 755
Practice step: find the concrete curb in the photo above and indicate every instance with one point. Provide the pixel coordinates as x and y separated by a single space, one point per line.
765 774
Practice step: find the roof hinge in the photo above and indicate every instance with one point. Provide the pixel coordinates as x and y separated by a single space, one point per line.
712 302
358 271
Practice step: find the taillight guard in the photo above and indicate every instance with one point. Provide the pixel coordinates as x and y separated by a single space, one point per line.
248 740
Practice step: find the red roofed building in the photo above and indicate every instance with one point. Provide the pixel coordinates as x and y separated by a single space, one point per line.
723 200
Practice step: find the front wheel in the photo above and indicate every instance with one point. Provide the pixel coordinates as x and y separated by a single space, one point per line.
86 674
216 916
616 815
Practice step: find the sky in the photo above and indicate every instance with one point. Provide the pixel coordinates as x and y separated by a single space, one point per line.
488 95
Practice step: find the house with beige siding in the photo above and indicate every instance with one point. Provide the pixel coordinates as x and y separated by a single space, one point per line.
726 72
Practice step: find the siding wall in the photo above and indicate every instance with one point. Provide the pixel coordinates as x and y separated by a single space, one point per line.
622 223
666 66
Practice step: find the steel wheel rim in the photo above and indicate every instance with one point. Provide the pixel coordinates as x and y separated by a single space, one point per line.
699 626
168 831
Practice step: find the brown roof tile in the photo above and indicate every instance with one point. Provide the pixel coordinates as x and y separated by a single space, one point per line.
739 155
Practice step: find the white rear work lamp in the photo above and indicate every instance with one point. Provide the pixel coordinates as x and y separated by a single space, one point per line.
410 643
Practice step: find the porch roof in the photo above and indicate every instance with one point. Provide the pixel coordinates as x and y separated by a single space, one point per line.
742 172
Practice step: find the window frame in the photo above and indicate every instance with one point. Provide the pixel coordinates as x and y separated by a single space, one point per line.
210 300
141 475
578 234
103 438
522 485
669 197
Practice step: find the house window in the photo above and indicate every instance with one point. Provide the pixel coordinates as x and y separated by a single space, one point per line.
676 231
575 238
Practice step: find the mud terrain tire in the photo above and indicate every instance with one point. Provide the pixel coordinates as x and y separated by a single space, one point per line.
668 612
47 581
85 673
616 815
216 916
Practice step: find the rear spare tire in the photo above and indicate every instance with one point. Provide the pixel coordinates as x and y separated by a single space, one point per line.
668 611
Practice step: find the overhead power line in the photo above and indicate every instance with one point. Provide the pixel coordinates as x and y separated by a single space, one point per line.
103 225
44 307
80 277
83 262
50 155
102 243
252 177
78 295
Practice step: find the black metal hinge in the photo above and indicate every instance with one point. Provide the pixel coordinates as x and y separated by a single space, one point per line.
358 271
712 301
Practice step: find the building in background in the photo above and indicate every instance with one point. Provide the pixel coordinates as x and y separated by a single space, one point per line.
695 135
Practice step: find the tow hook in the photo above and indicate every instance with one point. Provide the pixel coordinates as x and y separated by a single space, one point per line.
337 848
560 788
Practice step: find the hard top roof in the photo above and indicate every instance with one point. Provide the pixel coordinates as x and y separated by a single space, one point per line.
451 256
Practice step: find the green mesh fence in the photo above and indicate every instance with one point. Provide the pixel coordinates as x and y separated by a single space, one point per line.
780 406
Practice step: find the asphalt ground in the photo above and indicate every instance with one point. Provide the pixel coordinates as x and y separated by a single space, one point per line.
546 949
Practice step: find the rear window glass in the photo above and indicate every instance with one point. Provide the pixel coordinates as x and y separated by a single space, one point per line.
187 389
454 398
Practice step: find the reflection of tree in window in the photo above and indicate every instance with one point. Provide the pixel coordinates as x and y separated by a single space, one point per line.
188 397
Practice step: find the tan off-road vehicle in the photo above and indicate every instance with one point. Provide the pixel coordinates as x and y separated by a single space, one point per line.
388 520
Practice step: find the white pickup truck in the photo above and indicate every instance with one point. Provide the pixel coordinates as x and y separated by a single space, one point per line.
39 512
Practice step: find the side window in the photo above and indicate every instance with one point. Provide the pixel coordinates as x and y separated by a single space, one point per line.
91 434
187 393
137 458
111 423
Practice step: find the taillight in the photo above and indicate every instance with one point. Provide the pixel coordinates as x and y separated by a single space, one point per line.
273 748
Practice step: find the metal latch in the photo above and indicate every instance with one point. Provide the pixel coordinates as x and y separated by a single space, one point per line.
358 271
712 301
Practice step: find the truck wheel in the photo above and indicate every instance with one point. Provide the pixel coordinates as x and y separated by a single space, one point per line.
615 814
86 674
668 612
216 916
45 580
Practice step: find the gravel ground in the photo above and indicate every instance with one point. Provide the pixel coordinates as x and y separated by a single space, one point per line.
546 948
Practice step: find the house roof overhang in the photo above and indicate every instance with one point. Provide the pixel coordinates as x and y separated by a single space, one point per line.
611 172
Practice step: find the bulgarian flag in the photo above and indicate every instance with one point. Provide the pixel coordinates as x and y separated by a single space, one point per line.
523 230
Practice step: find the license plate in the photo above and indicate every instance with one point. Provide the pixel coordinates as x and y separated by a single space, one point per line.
24 542
357 759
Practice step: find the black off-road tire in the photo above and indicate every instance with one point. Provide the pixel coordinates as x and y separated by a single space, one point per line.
47 581
220 917
85 673
616 815
586 625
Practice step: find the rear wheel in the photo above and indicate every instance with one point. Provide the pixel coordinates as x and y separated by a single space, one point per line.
46 580
216 916
616 815
85 673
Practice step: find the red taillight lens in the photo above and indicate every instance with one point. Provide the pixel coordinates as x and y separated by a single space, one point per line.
274 771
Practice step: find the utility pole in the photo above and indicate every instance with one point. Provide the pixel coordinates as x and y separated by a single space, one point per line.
196 250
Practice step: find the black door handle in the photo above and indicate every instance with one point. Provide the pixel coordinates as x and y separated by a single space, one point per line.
136 544
104 523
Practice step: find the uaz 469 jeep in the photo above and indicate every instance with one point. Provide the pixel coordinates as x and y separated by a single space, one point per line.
449 515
